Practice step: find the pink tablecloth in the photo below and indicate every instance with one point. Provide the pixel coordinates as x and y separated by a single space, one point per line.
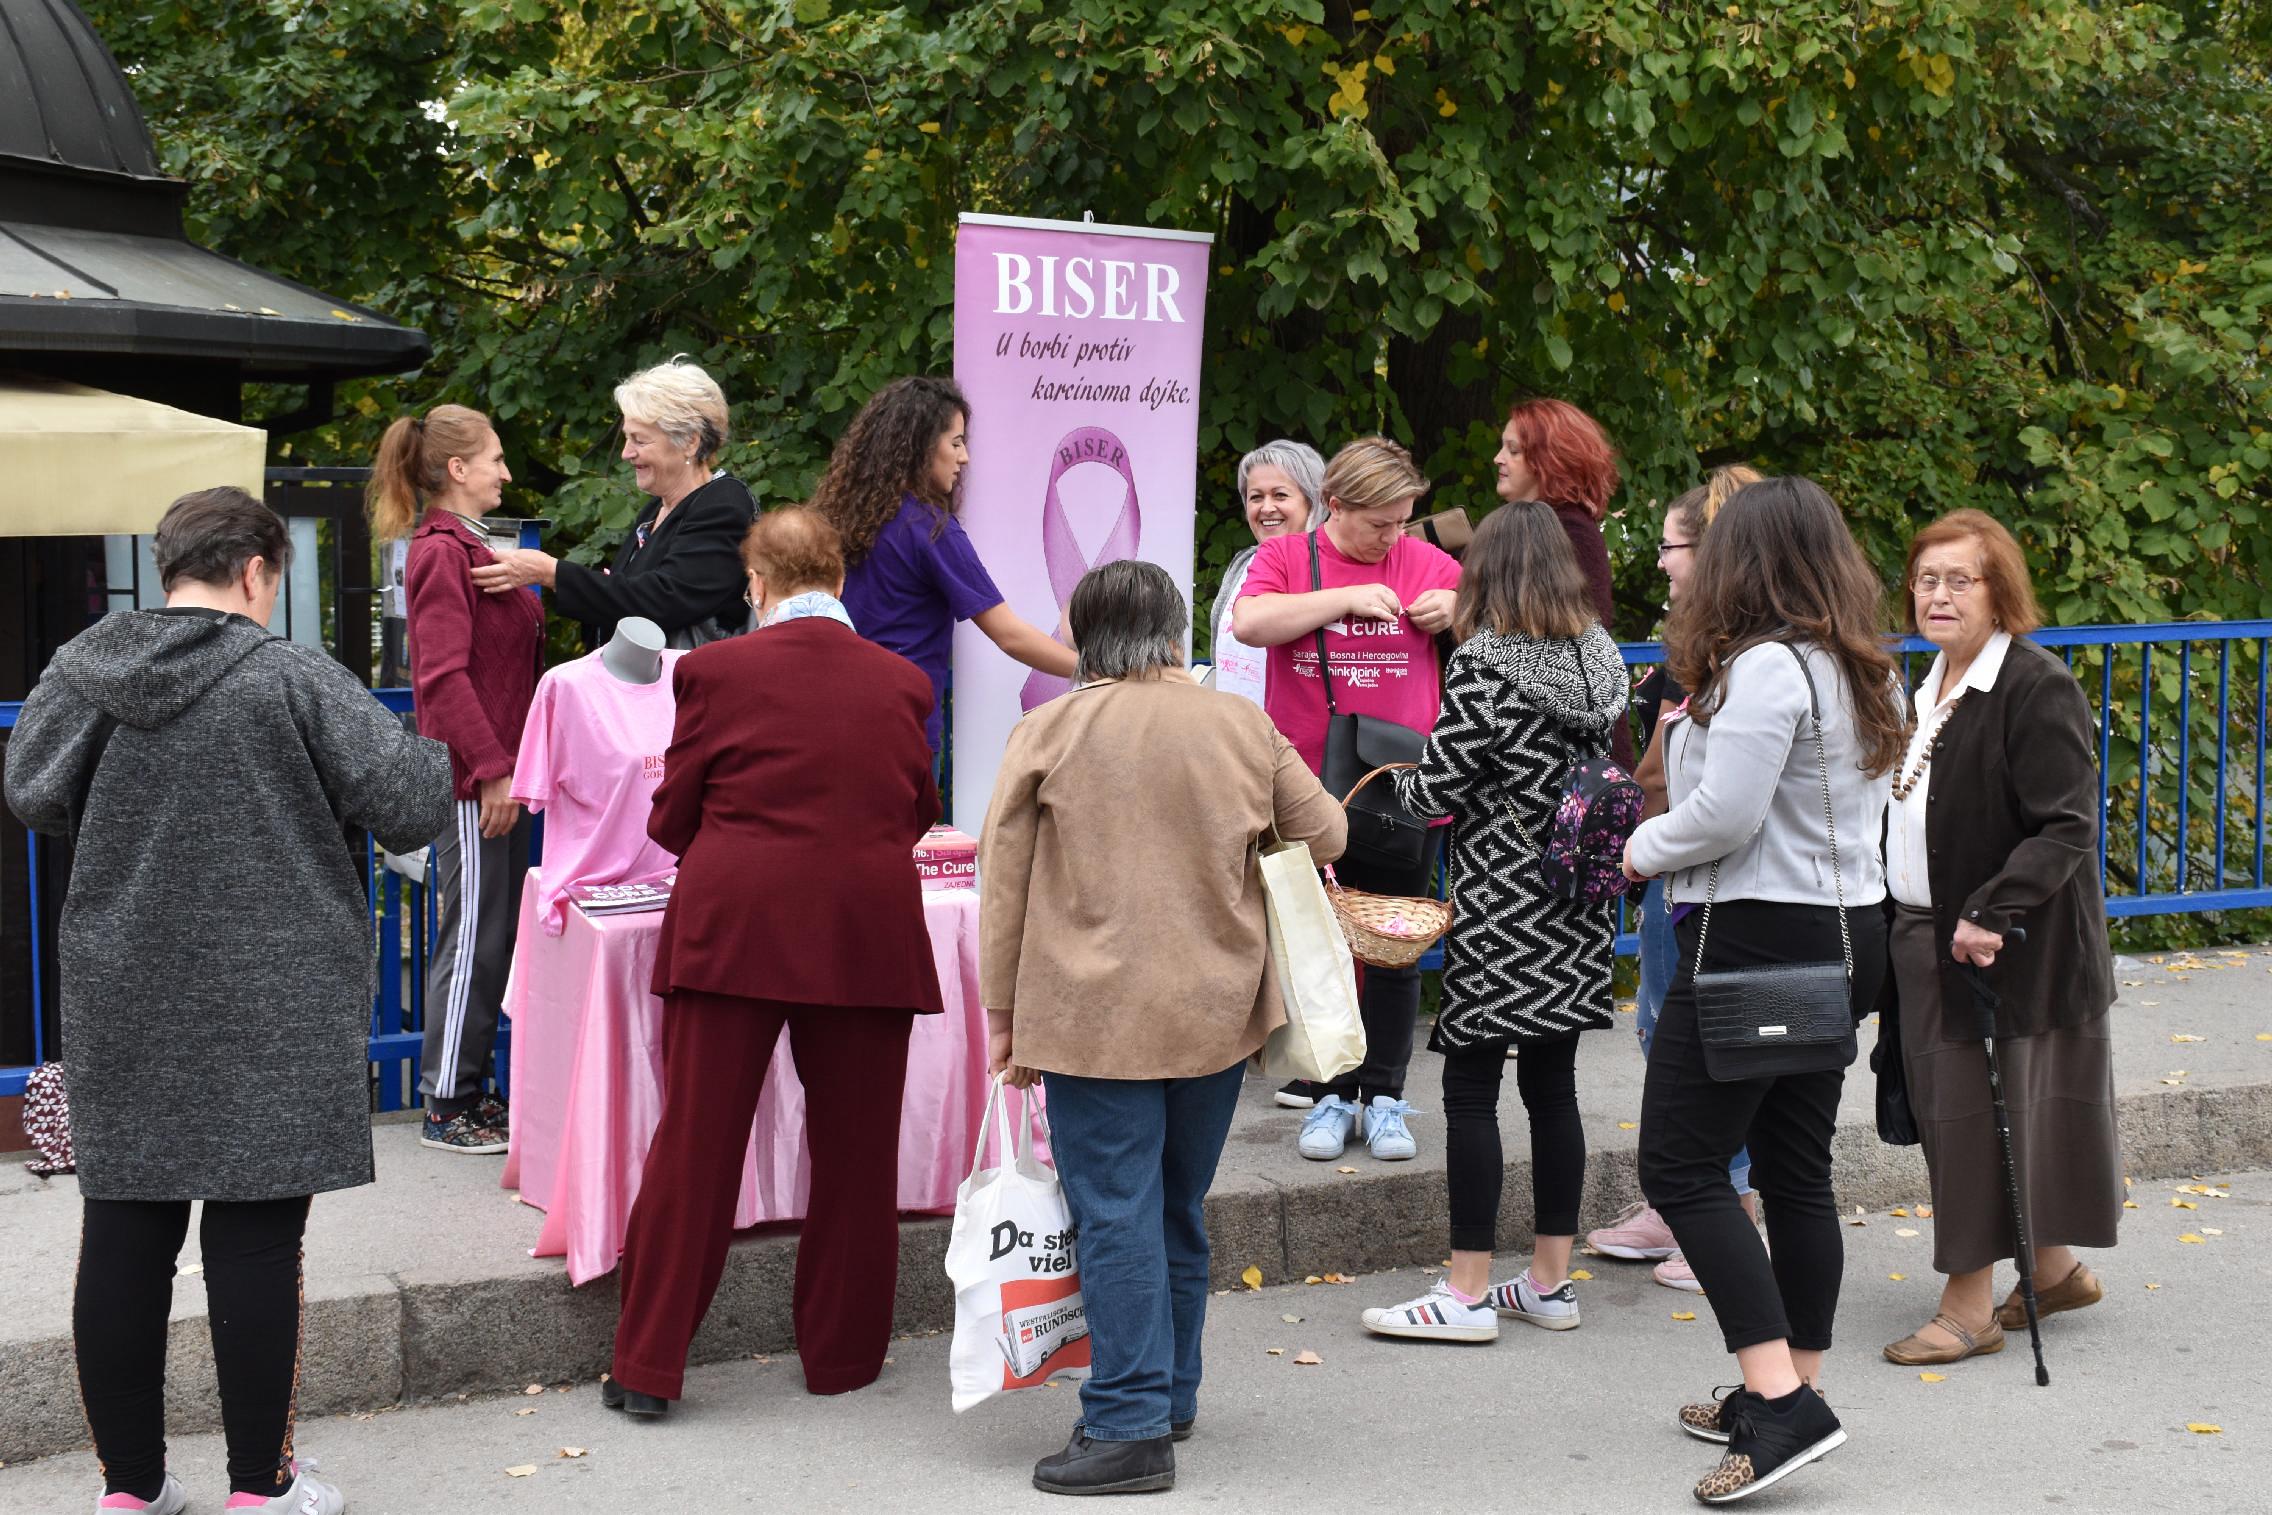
587 1084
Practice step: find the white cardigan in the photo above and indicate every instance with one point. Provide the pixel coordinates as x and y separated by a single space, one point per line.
1747 791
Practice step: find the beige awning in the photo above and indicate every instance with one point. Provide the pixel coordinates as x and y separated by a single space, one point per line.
83 462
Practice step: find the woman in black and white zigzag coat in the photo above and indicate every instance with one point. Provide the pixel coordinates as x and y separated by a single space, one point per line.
1535 686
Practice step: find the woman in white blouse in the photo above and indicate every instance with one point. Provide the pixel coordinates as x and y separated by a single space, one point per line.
1282 490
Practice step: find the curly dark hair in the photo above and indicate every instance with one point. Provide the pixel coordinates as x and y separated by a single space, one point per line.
1779 565
885 455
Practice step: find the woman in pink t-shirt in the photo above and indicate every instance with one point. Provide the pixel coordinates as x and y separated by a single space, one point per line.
1380 599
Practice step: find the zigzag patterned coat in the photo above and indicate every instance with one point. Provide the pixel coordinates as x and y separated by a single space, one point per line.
1521 964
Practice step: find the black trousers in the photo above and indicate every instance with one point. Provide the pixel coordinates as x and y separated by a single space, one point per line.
1387 998
125 1288
1691 1126
1546 1074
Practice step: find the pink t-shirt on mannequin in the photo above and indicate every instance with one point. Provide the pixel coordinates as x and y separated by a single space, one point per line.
1380 668
591 756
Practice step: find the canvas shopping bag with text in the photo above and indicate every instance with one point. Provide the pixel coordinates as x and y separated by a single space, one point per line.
1018 1316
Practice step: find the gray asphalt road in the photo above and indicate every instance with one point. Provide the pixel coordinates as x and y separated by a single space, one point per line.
1579 1421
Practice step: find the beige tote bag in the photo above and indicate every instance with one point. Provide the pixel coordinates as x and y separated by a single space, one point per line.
1324 1035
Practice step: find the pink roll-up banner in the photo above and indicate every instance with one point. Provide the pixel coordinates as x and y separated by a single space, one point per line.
1079 347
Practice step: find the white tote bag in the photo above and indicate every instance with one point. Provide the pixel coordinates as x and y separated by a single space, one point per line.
1018 1316
1324 1034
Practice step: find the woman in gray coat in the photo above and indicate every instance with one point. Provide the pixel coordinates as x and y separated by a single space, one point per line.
216 974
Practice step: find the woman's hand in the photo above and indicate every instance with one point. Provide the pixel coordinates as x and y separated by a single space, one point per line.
1975 946
998 1064
516 568
1372 602
500 812
1626 862
1431 610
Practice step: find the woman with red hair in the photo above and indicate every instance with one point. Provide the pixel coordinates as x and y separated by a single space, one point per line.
1554 452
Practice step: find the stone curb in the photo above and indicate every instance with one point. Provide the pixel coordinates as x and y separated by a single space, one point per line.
383 1340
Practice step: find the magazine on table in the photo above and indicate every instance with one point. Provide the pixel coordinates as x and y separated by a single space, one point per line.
622 899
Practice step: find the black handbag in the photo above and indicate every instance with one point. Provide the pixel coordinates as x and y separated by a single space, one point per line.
1776 1018
1382 833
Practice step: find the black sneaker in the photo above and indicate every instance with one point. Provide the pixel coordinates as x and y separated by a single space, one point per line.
1107 1467
1301 1094
630 1401
1766 1444
1180 1430
461 1133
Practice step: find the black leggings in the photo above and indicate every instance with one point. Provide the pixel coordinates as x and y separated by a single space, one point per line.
1546 1075
1388 999
251 1253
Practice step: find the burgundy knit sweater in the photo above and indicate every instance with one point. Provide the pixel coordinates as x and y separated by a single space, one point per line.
474 657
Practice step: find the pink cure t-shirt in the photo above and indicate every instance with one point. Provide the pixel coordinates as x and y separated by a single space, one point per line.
591 756
1380 668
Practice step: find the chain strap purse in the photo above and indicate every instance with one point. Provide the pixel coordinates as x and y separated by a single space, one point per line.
1776 1018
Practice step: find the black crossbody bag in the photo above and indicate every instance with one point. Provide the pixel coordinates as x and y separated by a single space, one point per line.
1382 833
1778 1018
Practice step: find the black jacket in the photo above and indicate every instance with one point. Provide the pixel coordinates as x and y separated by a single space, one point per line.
2011 832
688 579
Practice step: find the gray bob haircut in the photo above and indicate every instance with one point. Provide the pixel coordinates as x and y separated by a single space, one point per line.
1297 461
1127 620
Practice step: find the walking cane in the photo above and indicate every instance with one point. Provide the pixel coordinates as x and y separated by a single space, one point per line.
1985 999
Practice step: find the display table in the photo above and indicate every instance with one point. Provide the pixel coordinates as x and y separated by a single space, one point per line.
587 1082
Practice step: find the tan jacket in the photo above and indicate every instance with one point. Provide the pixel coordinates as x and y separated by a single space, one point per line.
1121 916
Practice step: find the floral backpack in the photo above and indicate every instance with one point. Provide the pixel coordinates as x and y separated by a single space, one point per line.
1582 855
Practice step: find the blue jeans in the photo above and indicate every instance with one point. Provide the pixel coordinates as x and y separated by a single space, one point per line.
1660 960
1136 1157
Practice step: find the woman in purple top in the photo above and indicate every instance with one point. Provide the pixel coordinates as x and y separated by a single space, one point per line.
910 570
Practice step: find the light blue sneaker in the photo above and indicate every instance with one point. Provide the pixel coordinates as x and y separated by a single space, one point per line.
1387 1137
1325 1130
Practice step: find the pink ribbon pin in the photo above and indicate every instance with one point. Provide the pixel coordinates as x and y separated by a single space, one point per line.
1061 550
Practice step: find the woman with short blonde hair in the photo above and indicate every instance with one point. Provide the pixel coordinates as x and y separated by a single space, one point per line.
1359 604
680 567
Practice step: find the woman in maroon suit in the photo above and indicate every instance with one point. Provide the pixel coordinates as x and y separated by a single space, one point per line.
797 782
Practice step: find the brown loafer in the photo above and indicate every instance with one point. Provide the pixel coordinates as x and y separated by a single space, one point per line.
1915 1352
2076 1290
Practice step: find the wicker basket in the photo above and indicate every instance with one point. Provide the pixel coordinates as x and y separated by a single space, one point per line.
1386 930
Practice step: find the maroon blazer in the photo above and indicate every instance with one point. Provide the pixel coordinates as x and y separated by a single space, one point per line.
797 782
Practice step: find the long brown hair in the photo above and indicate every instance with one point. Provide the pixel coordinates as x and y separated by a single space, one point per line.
885 455
1779 565
1520 576
413 465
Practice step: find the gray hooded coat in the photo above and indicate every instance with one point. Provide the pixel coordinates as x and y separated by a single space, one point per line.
1522 963
216 942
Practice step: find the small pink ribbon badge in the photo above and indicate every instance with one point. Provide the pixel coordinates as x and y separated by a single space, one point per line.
1061 550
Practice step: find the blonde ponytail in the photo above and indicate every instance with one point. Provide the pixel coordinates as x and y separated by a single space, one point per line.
413 465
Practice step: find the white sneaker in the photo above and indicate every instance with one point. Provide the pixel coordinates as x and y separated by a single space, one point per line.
1436 1316
1556 1309
172 1500
307 1496
1325 1130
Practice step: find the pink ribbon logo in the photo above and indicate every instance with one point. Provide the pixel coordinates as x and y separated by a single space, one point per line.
1061 550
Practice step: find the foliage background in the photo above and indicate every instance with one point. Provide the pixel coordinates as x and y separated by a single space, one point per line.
2012 254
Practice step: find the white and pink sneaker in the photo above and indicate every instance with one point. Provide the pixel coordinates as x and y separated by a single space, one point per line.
172 1500
306 1496
1639 1234
1674 1273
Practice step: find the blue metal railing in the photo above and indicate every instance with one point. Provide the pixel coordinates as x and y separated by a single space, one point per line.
2179 833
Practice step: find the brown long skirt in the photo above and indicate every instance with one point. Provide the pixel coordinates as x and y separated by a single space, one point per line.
2059 1090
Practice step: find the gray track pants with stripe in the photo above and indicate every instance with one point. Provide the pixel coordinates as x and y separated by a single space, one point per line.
480 882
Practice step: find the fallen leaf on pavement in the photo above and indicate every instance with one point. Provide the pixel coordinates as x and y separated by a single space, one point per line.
1336 1278
1313 1279
2180 1036
1628 1125
534 1388
1925 1211
1932 1378
2211 1231
2203 1428
2183 1204
1900 1210
1684 1315
1251 1277
1905 1230
1345 1170
1307 1359
2264 1036
2150 1288
191 1270
1291 1320
2129 1204
571 1451
1275 1351
2190 1237
530 1411
1581 1275
1857 1221
525 1470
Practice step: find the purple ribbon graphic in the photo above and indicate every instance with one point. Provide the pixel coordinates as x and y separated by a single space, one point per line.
1061 550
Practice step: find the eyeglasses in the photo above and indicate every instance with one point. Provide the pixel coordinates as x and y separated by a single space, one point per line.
1665 547
1959 584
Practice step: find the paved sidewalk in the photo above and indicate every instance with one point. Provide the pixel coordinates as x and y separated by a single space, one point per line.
1577 1421
420 1285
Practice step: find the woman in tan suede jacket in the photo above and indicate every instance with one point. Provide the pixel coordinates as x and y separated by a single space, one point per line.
1125 960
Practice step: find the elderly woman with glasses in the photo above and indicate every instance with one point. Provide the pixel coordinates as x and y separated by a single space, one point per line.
1125 961
1995 824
